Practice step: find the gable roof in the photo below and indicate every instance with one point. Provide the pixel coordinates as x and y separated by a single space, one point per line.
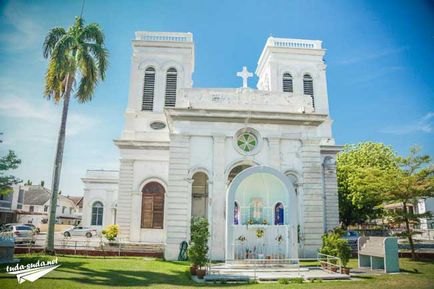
78 200
36 195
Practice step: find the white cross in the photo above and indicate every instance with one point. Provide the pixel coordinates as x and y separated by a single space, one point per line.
244 74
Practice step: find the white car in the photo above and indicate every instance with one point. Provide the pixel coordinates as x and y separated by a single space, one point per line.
21 233
80 231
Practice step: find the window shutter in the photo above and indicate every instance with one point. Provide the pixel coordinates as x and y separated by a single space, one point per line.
147 211
153 206
287 82
148 89
308 87
171 78
158 217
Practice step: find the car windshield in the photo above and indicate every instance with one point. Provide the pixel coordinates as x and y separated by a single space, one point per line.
23 228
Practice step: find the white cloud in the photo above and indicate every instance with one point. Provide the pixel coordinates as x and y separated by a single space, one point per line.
26 31
424 125
372 55
377 74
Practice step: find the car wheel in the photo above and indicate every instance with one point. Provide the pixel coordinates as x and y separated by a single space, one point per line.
88 234
67 234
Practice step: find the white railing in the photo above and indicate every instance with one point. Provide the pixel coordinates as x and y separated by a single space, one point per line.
329 263
273 244
294 43
243 99
164 36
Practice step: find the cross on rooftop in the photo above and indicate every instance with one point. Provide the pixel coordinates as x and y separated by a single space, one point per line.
244 74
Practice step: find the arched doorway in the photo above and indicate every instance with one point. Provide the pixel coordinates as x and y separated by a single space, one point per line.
199 195
259 194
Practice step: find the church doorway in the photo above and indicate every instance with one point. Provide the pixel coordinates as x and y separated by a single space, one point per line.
199 198
262 216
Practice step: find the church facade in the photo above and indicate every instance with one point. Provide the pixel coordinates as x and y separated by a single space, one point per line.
259 164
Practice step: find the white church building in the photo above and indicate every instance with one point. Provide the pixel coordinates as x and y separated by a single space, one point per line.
259 164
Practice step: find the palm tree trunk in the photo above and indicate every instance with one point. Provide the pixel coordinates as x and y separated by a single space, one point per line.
49 249
409 236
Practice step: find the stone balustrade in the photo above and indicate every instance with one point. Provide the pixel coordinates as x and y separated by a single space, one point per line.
294 43
243 99
164 36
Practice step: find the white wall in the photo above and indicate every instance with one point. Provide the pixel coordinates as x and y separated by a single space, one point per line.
100 186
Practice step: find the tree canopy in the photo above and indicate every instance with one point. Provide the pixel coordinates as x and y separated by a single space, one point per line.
411 180
7 163
357 204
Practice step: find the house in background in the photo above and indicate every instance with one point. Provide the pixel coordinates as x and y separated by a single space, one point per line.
9 204
426 205
7 214
36 203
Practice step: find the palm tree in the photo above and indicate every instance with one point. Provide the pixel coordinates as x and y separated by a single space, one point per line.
77 61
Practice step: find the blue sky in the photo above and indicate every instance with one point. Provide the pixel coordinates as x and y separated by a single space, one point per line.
380 57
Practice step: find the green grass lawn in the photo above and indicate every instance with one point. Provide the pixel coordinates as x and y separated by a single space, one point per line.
131 272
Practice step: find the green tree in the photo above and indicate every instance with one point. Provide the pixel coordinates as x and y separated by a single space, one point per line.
78 60
357 205
411 180
7 163
198 250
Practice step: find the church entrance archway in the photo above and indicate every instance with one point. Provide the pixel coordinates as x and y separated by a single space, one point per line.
262 214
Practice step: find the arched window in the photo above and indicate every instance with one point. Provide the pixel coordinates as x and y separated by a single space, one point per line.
308 87
152 206
171 78
199 191
148 89
279 214
287 82
97 214
236 214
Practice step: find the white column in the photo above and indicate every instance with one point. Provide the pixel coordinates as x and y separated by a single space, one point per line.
126 175
177 197
219 213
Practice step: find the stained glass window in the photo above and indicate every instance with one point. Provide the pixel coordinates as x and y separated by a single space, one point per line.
278 214
236 214
247 141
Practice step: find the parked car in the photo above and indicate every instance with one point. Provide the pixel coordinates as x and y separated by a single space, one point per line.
21 233
352 238
35 229
80 231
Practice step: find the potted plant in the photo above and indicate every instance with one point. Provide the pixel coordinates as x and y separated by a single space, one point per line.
111 234
344 252
199 246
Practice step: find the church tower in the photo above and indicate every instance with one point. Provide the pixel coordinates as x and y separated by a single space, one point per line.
161 64
295 66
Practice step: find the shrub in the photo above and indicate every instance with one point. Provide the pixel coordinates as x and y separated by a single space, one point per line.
199 241
297 280
334 245
111 232
284 281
